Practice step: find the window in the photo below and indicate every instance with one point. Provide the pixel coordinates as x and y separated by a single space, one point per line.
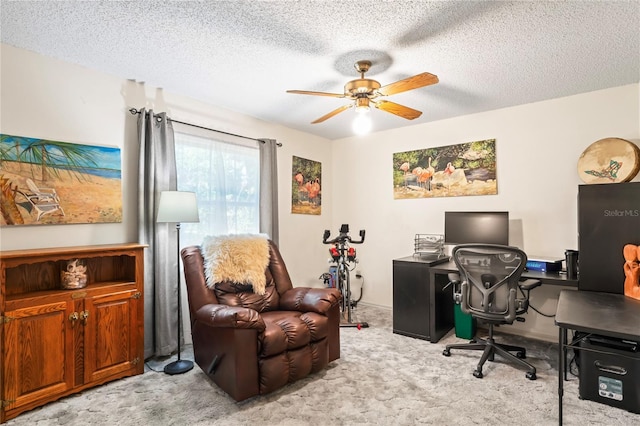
225 177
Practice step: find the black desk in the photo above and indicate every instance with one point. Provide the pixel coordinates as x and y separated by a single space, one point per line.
607 314
423 298
546 278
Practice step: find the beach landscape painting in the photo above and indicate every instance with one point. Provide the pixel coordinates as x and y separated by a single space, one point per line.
446 171
47 182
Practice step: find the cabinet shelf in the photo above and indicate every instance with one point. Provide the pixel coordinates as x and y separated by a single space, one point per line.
109 286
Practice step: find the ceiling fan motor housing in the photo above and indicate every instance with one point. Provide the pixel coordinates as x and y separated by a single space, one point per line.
362 85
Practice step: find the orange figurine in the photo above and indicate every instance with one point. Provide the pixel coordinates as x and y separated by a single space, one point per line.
632 271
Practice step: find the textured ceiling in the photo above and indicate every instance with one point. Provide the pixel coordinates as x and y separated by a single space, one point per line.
244 55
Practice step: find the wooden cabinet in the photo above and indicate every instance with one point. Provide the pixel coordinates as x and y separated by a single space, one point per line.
422 305
58 341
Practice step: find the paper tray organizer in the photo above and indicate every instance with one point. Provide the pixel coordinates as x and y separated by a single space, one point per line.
429 246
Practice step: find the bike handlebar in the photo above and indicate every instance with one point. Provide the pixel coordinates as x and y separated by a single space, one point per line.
344 236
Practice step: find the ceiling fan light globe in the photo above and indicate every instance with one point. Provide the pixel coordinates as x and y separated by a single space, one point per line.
362 124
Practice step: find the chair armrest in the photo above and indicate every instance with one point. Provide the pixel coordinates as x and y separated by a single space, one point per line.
223 316
454 280
529 284
306 299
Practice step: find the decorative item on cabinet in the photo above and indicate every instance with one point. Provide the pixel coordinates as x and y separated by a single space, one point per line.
609 160
74 275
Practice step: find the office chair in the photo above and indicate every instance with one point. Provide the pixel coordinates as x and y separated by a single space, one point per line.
491 291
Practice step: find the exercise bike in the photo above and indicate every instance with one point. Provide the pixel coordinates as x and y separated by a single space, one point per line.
344 256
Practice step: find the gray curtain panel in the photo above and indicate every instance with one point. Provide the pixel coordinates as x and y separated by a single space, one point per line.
269 188
156 173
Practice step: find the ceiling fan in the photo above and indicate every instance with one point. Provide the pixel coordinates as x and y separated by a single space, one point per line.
365 92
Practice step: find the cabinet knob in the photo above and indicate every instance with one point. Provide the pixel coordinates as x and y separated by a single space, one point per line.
83 316
73 318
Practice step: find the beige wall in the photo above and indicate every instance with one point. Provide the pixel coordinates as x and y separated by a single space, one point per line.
46 98
537 146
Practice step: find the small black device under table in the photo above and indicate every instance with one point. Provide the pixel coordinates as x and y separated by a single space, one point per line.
610 322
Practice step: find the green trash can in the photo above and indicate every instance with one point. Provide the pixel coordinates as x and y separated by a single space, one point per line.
465 324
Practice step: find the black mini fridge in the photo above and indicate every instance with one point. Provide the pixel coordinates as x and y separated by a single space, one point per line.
608 218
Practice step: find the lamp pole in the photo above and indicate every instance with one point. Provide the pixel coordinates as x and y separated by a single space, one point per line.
181 365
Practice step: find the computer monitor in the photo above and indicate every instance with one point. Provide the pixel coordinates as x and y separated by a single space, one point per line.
476 227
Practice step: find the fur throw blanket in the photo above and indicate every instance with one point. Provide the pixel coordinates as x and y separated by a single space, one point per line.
236 258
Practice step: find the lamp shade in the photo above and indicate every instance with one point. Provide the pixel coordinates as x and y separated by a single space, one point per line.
178 206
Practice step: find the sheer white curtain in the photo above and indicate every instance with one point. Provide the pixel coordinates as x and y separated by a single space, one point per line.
224 172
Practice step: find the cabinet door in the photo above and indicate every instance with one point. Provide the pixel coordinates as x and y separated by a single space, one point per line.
38 354
112 335
441 309
411 299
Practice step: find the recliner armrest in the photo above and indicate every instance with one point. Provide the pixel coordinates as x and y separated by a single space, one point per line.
306 299
224 316
529 284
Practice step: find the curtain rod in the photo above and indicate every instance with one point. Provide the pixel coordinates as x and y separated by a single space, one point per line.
136 111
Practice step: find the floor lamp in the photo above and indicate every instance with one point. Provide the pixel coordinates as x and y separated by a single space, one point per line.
178 206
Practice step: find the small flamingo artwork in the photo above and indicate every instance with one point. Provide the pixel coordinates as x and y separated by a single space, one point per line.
446 171
306 190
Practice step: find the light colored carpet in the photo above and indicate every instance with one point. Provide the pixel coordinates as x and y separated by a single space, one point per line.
381 379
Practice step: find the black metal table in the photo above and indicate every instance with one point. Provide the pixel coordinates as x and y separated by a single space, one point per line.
606 314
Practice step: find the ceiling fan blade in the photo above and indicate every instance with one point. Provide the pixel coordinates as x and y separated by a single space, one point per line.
420 80
306 92
332 113
397 109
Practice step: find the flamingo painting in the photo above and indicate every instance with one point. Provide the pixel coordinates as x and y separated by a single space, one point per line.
470 170
306 193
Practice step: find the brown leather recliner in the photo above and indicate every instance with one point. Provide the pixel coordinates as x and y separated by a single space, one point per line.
250 344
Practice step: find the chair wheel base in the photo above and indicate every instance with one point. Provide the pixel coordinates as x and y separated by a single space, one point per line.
478 374
531 376
521 354
446 352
